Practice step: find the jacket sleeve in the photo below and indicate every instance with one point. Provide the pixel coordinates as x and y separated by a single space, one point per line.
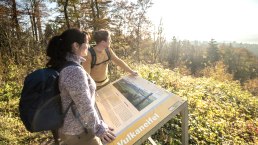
77 85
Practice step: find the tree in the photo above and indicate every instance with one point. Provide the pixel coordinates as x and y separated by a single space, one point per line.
173 53
88 15
35 10
49 32
120 13
100 14
141 20
66 14
213 51
15 18
129 22
9 11
159 43
9 28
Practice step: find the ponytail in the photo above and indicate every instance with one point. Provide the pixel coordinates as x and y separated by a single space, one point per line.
54 52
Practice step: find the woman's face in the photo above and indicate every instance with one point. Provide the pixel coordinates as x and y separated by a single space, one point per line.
84 47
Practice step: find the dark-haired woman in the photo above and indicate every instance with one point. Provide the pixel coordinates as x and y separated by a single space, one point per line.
82 125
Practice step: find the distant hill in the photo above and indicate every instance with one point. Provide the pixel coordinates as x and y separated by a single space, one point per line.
253 48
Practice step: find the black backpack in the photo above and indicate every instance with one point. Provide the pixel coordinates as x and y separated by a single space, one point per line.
40 103
94 58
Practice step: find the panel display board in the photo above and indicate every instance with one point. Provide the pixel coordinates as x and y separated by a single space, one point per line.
133 106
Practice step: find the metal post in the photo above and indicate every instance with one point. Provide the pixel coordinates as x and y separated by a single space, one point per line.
184 114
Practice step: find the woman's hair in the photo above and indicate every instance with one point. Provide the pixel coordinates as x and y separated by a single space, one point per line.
101 35
60 45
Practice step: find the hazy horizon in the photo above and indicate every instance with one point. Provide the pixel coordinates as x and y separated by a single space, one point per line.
203 20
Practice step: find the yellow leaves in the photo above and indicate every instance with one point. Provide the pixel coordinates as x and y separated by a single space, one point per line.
218 108
220 112
218 72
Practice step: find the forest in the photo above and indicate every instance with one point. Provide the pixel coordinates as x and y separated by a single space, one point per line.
218 79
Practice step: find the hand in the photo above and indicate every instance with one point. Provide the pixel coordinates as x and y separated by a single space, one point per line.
108 136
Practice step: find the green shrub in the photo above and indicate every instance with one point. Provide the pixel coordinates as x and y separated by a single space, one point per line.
220 112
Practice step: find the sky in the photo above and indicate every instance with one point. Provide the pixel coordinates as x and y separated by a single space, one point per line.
203 20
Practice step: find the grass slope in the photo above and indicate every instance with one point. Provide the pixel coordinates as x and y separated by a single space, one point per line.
219 112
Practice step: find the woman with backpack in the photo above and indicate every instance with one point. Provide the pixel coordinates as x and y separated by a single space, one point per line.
82 125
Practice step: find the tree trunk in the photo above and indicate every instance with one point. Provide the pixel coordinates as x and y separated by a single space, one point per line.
35 26
38 17
138 33
93 15
31 21
8 41
15 19
97 9
77 18
33 4
66 14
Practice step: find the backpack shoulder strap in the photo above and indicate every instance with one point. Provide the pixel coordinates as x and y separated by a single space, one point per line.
108 53
93 57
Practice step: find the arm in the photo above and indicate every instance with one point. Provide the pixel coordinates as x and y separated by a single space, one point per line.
119 62
87 64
